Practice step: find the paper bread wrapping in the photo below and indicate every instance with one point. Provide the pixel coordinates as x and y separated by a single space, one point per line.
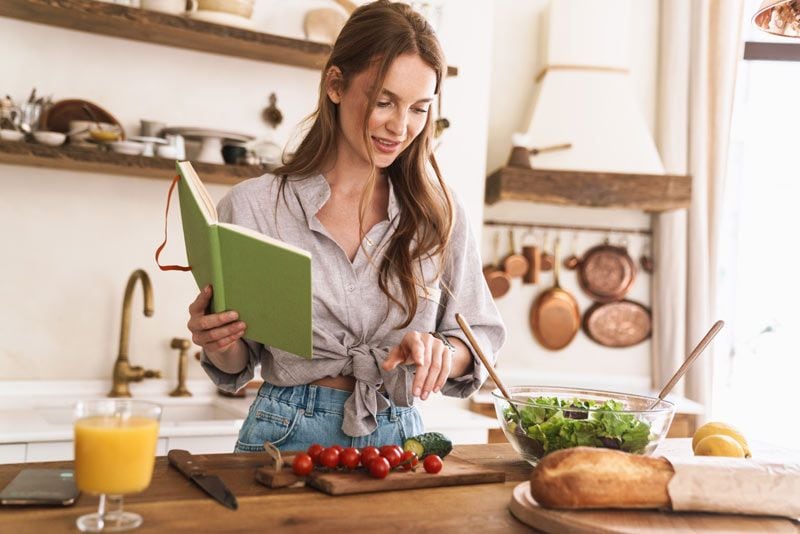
735 485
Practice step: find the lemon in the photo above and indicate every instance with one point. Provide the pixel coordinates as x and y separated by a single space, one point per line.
724 429
719 445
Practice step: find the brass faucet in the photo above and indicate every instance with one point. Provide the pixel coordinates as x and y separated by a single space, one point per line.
183 367
124 372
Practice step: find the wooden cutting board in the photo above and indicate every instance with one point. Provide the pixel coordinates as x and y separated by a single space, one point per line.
455 471
527 510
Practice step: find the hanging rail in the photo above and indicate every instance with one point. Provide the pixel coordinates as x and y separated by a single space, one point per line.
599 229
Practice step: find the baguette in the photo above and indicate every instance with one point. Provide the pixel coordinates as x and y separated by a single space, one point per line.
586 477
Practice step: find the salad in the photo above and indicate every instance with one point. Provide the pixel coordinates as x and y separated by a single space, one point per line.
547 424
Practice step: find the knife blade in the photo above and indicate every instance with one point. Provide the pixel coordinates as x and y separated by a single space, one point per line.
213 485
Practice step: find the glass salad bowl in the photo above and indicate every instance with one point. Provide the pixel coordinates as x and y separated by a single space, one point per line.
543 419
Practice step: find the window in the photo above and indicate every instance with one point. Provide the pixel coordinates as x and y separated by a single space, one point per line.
757 379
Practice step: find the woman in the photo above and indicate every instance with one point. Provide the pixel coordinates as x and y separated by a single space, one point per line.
392 255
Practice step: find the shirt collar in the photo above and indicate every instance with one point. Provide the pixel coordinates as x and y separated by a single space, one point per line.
313 192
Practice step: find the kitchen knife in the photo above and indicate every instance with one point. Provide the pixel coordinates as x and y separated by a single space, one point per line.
182 461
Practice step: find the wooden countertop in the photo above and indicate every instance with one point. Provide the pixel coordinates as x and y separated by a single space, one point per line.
173 504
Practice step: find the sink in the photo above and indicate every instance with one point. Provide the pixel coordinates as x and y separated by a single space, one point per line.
201 410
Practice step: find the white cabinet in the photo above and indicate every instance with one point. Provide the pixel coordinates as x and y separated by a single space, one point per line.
50 451
203 444
12 453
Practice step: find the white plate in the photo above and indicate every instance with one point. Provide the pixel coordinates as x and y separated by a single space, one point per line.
219 17
200 133
145 139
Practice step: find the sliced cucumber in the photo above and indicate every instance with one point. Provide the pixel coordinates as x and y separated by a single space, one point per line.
429 443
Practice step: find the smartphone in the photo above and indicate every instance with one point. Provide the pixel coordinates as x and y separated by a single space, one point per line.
49 487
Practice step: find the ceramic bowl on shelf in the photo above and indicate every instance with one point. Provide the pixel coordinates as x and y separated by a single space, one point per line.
11 135
50 138
129 148
544 419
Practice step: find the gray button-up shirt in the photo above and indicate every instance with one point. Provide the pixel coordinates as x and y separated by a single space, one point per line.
354 323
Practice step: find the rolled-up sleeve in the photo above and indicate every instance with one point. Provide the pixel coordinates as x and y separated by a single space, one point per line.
464 291
233 382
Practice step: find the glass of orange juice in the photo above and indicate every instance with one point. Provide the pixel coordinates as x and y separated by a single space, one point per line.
115 450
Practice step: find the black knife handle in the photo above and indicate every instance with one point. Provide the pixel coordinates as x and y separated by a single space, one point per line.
183 461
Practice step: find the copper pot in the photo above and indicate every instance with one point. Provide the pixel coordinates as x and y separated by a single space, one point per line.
617 324
555 317
606 272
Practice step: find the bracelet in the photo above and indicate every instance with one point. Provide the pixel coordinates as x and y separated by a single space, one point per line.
441 337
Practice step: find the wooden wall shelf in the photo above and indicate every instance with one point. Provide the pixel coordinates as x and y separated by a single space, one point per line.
100 161
647 192
170 30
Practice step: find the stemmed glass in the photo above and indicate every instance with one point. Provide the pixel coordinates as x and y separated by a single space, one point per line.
115 451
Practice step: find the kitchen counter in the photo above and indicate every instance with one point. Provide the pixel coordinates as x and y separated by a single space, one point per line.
36 417
173 504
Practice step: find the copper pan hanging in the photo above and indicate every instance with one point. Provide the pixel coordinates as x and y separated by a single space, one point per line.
606 272
555 317
617 324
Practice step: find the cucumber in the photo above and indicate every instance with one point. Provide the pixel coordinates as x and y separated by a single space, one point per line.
429 443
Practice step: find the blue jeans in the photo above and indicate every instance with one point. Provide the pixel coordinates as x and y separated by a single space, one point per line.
294 417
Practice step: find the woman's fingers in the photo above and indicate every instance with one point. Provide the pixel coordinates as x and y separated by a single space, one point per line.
214 331
434 369
444 373
198 307
419 348
393 359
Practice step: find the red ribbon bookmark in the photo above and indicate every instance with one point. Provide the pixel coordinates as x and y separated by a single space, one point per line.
164 244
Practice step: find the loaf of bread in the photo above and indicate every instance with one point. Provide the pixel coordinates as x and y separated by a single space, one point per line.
586 477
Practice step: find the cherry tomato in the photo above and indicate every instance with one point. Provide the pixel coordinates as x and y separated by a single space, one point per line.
432 464
329 458
338 448
408 461
379 467
387 448
314 451
369 454
350 458
302 464
393 456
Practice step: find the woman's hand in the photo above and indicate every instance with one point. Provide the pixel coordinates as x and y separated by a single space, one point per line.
217 333
433 359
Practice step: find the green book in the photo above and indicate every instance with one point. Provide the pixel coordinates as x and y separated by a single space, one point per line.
267 281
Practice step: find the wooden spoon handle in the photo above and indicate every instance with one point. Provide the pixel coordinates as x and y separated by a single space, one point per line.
484 360
692 357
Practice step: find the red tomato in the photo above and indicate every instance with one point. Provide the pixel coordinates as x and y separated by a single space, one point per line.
387 448
302 464
369 454
338 448
409 461
350 457
432 464
329 458
314 451
393 456
379 467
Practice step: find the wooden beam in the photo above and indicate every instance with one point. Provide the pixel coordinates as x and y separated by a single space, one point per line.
647 192
102 162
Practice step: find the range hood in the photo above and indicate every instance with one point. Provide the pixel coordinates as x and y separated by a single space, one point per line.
585 96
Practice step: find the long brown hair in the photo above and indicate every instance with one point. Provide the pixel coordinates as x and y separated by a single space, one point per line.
374 35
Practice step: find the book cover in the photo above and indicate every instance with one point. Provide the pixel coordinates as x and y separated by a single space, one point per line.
267 281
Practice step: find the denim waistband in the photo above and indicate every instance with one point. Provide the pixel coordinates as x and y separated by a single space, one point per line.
311 397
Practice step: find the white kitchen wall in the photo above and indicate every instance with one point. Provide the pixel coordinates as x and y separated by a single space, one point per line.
71 239
515 65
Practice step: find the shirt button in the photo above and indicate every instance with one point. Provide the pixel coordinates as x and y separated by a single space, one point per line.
350 287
